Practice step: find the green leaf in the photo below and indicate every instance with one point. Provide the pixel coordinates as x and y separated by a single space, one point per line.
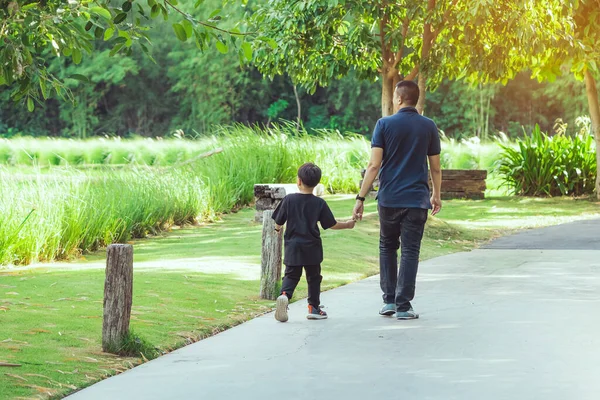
126 6
155 10
103 12
120 18
109 33
44 89
30 104
98 32
272 43
247 49
116 49
180 32
214 13
127 37
198 3
189 28
89 25
67 51
151 3
79 77
29 6
77 56
222 47
147 52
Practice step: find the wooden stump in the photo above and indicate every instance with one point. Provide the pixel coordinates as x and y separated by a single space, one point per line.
270 273
118 293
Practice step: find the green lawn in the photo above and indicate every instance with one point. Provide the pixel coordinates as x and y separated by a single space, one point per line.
50 321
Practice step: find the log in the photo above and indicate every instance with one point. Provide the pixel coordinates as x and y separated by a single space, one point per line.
270 273
462 186
463 195
3 364
463 174
118 295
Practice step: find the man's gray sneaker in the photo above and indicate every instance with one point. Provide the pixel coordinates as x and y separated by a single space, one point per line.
388 309
410 314
281 312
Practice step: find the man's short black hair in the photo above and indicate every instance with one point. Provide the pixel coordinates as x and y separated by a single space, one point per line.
408 91
309 174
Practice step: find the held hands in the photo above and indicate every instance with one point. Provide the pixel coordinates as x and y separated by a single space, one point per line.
350 224
436 203
357 213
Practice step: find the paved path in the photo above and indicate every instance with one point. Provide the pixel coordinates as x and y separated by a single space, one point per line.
495 324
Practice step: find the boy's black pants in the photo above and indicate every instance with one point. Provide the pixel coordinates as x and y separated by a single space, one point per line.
313 277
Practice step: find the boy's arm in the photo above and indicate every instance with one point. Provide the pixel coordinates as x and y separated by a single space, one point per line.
344 225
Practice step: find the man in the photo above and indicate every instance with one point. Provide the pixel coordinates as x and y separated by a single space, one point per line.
401 145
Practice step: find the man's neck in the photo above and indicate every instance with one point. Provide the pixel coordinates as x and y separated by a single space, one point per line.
405 106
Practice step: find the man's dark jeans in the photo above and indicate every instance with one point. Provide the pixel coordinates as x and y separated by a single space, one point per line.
400 226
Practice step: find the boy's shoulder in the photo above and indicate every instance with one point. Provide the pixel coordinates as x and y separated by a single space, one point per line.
304 198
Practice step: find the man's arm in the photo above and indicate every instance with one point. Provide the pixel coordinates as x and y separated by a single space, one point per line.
436 177
370 175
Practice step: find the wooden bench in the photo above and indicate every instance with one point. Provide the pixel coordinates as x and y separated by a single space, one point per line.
456 184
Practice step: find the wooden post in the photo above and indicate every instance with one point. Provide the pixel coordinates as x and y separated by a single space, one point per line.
118 293
270 273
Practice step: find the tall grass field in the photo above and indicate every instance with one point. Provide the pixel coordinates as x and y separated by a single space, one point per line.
59 198
59 212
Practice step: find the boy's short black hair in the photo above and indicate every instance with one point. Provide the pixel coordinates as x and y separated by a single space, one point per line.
309 174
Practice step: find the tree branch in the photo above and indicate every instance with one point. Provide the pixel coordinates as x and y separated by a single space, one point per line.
400 53
384 48
206 24
413 74
437 31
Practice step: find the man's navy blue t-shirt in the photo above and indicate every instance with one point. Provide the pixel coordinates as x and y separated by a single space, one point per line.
407 138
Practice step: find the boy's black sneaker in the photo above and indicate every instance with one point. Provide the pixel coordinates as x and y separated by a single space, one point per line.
316 313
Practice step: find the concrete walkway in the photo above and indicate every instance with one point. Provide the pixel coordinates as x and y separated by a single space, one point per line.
507 323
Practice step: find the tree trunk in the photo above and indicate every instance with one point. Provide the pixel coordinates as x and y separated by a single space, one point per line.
387 94
422 92
271 258
118 294
594 105
299 106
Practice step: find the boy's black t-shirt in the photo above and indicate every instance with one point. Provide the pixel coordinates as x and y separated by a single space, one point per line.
301 212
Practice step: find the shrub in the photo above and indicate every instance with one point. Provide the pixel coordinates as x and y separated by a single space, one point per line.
543 165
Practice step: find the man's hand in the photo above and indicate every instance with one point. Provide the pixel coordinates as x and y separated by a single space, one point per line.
359 208
351 224
436 203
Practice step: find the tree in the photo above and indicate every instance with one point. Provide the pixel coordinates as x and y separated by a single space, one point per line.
68 28
316 41
572 39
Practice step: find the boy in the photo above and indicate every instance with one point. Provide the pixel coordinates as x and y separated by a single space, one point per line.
303 247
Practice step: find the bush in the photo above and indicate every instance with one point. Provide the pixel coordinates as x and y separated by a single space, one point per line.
543 165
